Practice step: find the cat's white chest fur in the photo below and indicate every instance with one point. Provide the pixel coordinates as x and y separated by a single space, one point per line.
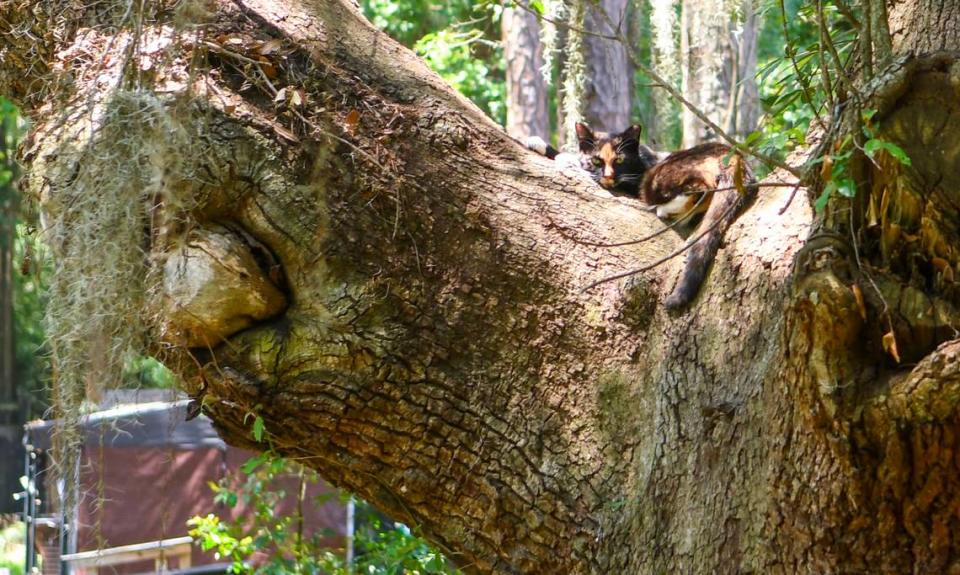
674 207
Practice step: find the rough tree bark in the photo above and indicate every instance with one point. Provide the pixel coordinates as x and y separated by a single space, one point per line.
434 351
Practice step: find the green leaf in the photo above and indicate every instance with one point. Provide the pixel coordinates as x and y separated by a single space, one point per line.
847 187
251 465
871 146
821 202
258 429
898 153
537 6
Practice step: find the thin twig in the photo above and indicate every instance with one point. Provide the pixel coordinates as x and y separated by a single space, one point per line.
825 82
665 258
689 214
847 13
272 90
856 255
635 59
791 52
555 22
832 49
789 200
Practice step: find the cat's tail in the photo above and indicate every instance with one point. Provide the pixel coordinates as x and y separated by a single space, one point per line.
537 144
726 205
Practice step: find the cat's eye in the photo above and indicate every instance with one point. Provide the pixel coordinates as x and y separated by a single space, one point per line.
597 162
619 160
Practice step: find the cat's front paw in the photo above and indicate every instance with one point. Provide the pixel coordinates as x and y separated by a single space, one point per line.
567 160
537 144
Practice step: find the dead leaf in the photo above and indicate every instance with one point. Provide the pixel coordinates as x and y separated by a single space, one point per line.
268 70
872 219
890 345
270 46
287 134
944 267
281 95
351 121
296 98
738 178
858 295
826 170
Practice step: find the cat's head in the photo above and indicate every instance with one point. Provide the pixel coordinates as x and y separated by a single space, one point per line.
616 161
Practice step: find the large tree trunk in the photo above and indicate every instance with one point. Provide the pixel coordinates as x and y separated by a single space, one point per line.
743 113
399 287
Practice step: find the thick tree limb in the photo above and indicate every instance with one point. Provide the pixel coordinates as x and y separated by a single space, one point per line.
436 354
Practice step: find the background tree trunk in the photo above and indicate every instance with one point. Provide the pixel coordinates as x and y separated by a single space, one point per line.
597 75
526 92
10 412
744 112
665 54
719 62
436 352
609 87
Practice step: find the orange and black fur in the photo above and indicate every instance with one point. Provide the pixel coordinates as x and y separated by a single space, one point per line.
708 179
616 161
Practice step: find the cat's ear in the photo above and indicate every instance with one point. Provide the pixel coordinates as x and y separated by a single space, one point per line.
632 133
585 137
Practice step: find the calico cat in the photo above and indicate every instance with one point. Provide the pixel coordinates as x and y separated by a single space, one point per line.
709 179
615 161
699 183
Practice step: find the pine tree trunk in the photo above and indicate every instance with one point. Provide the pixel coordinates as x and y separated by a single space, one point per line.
665 53
609 88
526 92
745 113
400 288
719 61
10 419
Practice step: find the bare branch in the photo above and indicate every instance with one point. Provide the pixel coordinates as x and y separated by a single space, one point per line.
668 257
